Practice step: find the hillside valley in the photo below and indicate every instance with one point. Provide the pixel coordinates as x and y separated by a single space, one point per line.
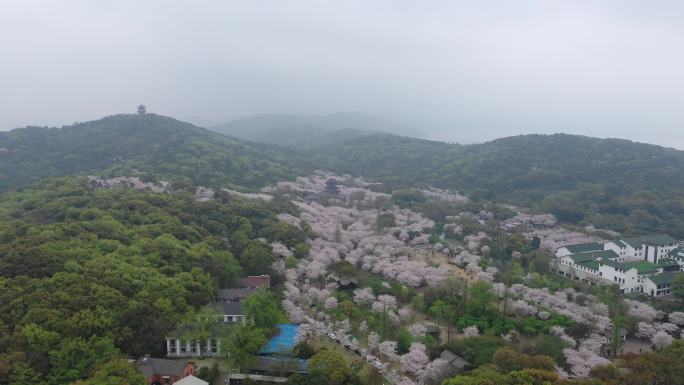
118 233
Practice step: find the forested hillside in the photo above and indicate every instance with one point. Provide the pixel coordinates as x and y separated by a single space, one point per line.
618 184
86 274
147 145
610 183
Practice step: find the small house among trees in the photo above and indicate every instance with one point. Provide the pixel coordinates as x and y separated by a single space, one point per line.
163 371
256 282
455 363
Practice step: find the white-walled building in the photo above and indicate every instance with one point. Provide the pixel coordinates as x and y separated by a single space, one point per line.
634 264
660 284
648 248
624 275
584 267
181 345
578 248
677 255
203 338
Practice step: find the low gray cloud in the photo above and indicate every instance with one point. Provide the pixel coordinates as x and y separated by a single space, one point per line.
461 71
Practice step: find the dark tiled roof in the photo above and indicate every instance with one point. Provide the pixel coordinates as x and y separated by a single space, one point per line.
619 243
653 240
261 281
593 255
582 257
584 247
593 265
150 366
643 267
224 308
280 364
665 278
234 294
453 359
667 262
614 264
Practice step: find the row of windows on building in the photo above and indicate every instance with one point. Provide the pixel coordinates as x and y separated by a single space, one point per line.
193 346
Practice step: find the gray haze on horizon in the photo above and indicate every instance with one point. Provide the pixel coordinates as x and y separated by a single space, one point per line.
459 71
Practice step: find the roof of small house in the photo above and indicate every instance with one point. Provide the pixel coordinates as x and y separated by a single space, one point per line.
652 240
456 363
234 294
431 328
191 380
224 308
583 247
258 281
665 278
150 366
453 359
284 339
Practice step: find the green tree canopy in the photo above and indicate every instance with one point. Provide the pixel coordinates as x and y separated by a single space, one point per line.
243 343
263 309
331 364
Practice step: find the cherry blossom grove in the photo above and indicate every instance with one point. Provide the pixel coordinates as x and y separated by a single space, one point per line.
351 234
346 229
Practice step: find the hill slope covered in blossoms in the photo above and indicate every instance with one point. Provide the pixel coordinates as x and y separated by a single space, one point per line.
611 183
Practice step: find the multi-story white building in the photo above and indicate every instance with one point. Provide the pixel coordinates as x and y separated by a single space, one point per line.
203 337
677 255
648 248
660 284
192 346
584 267
578 248
634 264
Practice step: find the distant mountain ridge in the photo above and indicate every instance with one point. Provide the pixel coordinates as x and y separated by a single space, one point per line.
303 131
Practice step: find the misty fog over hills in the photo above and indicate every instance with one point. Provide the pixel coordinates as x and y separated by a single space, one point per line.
310 130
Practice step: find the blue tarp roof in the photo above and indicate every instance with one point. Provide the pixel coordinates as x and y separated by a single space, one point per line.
283 341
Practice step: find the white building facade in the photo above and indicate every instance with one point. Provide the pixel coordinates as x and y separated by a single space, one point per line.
636 265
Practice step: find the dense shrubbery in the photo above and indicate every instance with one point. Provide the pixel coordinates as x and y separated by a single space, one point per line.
87 273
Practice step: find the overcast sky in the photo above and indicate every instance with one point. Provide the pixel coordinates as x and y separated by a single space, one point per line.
463 71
